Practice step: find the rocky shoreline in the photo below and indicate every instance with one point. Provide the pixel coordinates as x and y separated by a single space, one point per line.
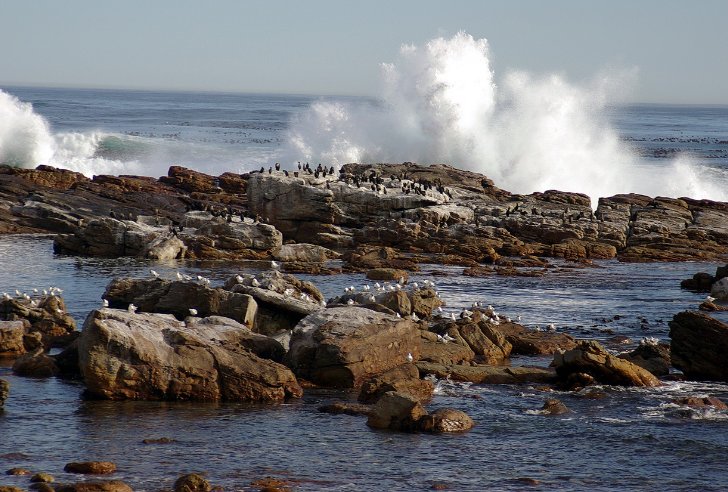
270 337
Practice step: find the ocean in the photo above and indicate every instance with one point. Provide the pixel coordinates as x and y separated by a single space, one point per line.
632 439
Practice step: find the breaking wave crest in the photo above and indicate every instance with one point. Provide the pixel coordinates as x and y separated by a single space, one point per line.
441 103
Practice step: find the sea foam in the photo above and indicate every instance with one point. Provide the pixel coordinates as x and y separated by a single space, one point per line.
440 103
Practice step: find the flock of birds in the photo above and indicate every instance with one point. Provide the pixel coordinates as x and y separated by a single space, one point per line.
36 297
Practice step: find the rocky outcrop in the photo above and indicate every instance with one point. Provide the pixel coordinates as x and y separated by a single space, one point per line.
589 357
486 374
177 297
698 346
651 355
344 346
305 253
192 482
154 356
401 379
43 317
526 341
402 412
35 364
4 392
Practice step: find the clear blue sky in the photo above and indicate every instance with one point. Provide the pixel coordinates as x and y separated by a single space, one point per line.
334 47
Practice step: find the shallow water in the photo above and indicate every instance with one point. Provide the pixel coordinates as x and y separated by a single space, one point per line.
632 439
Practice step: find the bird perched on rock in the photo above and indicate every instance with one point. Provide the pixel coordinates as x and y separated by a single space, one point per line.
154 274
409 357
255 282
132 308
193 312
105 303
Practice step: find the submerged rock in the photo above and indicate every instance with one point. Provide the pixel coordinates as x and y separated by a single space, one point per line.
552 406
4 391
95 486
698 346
396 411
482 374
90 467
446 420
156 357
192 482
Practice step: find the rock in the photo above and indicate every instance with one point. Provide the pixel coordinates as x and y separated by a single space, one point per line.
591 358
160 440
532 342
155 357
90 467
698 346
110 238
654 357
446 420
488 345
232 240
7 488
96 486
346 408
35 364
44 314
389 274
307 253
11 338
437 352
177 297
402 379
701 282
18 471
488 374
719 289
396 411
702 402
192 482
4 392
366 258
553 406
282 300
42 478
344 346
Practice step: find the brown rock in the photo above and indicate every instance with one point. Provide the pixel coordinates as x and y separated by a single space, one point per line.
96 486
90 467
532 342
653 357
591 358
488 374
702 402
402 379
192 482
4 392
18 471
346 408
553 406
42 478
35 364
11 337
387 274
344 346
446 420
396 411
698 346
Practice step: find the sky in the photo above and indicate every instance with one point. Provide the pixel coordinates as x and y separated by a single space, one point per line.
675 51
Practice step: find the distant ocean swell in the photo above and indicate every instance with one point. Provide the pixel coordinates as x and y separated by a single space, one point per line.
439 103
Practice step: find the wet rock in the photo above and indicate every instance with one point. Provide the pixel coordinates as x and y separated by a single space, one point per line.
306 253
4 392
156 357
698 346
111 238
702 402
366 258
18 471
346 408
270 484
591 358
95 486
90 467
344 346
7 488
220 240
655 357
481 374
482 337
700 282
719 289
42 478
35 364
446 420
160 440
434 351
402 379
553 406
192 482
396 411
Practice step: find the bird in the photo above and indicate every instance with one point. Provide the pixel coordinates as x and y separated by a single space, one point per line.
709 299
105 303
132 308
551 327
255 282
350 302
154 274
180 276
274 264
239 279
193 312
409 357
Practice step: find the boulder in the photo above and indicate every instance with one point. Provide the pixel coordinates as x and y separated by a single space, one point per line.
192 482
698 346
303 252
401 379
95 486
655 357
282 300
35 364
90 467
436 352
719 289
11 338
446 420
389 274
344 346
345 408
591 358
489 346
109 237
177 297
552 406
232 240
532 342
143 356
396 411
41 313
702 402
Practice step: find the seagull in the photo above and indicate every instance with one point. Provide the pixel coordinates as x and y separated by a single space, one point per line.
6 296
239 279
255 282
132 308
154 274
447 338
105 303
350 302
409 357
709 299
274 264
180 276
193 312
552 327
